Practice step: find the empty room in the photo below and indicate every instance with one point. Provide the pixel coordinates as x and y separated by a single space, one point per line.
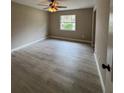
61 46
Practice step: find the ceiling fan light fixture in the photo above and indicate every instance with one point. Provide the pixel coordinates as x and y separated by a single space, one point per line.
53 6
50 9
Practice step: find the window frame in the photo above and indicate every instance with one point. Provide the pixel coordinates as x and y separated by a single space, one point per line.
68 22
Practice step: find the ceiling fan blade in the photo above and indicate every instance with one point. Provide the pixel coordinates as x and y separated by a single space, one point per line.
51 0
42 5
56 0
62 6
46 8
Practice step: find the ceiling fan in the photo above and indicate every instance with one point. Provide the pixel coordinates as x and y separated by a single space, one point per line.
53 5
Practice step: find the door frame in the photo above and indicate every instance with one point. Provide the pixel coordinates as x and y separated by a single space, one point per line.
93 28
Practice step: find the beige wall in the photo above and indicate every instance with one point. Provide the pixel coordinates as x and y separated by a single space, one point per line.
83 24
102 20
28 24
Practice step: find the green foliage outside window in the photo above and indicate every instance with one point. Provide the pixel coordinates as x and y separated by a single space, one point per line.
68 23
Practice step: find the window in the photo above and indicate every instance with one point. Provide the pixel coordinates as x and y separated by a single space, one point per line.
68 23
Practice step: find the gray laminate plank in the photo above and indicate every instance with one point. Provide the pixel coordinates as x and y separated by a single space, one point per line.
55 66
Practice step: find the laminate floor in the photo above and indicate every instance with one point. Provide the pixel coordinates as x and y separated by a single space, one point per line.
55 66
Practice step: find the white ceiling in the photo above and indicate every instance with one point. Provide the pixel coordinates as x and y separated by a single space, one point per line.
71 4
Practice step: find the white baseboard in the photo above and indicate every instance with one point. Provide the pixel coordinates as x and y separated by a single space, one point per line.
23 46
70 39
100 74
